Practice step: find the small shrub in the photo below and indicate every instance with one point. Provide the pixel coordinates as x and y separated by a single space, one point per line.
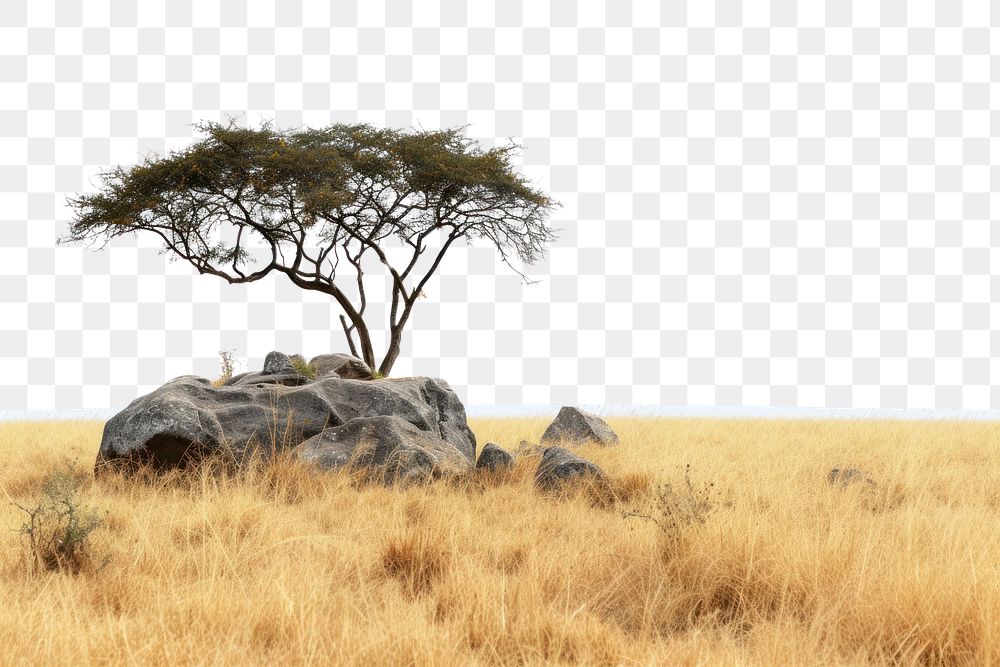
677 510
302 366
227 364
57 530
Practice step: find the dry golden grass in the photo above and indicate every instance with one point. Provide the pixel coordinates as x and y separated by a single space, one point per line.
281 567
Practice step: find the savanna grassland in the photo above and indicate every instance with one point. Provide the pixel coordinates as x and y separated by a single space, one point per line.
715 542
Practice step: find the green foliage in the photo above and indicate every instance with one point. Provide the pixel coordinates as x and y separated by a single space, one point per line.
275 183
57 530
302 366
316 204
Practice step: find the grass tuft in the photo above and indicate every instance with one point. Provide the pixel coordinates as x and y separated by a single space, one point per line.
415 560
302 366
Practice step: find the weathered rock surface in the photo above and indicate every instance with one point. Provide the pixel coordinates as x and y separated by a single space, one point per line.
278 369
847 476
494 458
289 379
392 446
344 365
187 418
525 448
236 378
559 465
277 362
574 426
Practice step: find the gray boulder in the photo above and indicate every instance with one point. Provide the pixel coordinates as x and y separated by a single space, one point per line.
344 365
844 477
575 426
399 451
559 465
277 363
494 458
187 418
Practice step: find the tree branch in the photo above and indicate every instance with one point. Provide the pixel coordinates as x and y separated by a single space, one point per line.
347 334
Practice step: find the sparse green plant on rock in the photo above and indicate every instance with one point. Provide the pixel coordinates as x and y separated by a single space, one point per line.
302 366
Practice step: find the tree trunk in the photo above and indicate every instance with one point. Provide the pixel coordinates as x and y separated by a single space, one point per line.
395 339
364 338
368 354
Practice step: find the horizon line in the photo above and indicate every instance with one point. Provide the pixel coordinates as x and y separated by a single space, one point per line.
647 411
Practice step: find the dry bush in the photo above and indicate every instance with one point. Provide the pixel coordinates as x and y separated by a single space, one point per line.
227 365
56 531
681 508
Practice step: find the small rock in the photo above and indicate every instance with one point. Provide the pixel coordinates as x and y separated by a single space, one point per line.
525 448
276 363
847 476
343 365
493 458
559 465
575 426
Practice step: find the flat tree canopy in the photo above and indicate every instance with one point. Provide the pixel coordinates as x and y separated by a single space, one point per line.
323 203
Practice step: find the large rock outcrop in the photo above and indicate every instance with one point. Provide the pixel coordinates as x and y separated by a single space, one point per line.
389 445
188 418
574 426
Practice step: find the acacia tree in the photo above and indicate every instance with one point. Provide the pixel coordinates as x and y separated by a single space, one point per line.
319 204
